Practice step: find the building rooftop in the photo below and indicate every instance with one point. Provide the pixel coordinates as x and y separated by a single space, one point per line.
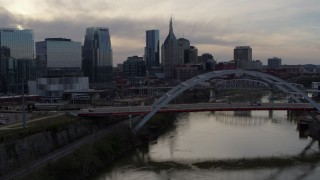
57 39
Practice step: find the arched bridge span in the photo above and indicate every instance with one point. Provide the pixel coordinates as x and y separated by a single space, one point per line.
174 92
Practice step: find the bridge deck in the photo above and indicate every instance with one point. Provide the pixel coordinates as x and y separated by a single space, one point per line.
140 110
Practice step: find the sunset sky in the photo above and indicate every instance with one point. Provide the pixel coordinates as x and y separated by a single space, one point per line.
289 29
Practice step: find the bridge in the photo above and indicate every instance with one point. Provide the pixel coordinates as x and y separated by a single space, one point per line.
295 92
143 110
282 85
213 84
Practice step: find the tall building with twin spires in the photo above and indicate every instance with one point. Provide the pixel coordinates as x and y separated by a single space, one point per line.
97 57
170 54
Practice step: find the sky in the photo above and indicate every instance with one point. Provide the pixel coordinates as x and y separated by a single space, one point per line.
289 29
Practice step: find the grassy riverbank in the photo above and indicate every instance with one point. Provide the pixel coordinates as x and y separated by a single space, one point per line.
259 162
88 160
94 157
49 124
238 164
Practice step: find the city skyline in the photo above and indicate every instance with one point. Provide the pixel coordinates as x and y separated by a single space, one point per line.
286 29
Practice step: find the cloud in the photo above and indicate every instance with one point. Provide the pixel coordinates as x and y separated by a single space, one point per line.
282 28
7 19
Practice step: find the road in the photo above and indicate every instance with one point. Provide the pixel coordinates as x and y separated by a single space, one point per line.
194 108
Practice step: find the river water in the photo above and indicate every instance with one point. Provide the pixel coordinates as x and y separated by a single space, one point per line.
224 136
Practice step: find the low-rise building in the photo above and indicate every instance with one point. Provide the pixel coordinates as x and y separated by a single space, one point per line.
294 69
254 65
316 89
274 63
311 69
134 67
52 89
225 66
185 72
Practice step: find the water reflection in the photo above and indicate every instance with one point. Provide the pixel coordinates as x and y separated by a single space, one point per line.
294 173
207 136
310 172
219 135
241 118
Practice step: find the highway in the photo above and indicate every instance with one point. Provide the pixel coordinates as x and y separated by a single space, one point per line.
196 107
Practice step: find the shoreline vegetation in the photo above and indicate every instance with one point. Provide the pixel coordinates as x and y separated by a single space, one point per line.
238 164
260 162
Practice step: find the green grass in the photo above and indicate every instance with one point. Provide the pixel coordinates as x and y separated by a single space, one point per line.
86 161
39 114
237 164
253 163
49 124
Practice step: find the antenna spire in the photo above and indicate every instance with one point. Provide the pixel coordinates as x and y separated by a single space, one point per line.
171 28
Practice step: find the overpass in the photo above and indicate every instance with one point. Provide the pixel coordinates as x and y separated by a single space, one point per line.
142 110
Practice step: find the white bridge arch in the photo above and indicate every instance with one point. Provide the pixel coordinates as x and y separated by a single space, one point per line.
174 92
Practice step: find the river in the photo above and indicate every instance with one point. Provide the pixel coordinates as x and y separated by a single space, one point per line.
221 137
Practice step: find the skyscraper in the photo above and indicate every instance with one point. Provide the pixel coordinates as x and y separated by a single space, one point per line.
242 56
97 57
191 55
19 41
17 61
170 56
152 53
4 69
183 45
61 56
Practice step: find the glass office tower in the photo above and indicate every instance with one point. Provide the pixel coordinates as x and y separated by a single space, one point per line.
61 57
20 42
18 67
97 57
152 48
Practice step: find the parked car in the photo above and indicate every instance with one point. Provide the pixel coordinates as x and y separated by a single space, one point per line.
3 123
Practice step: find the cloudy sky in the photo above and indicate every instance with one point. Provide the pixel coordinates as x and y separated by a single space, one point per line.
289 29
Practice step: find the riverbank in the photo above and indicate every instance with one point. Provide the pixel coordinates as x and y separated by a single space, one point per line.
235 164
93 157
21 148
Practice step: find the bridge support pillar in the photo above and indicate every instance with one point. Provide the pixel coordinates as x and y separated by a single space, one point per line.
270 113
212 95
271 100
290 115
